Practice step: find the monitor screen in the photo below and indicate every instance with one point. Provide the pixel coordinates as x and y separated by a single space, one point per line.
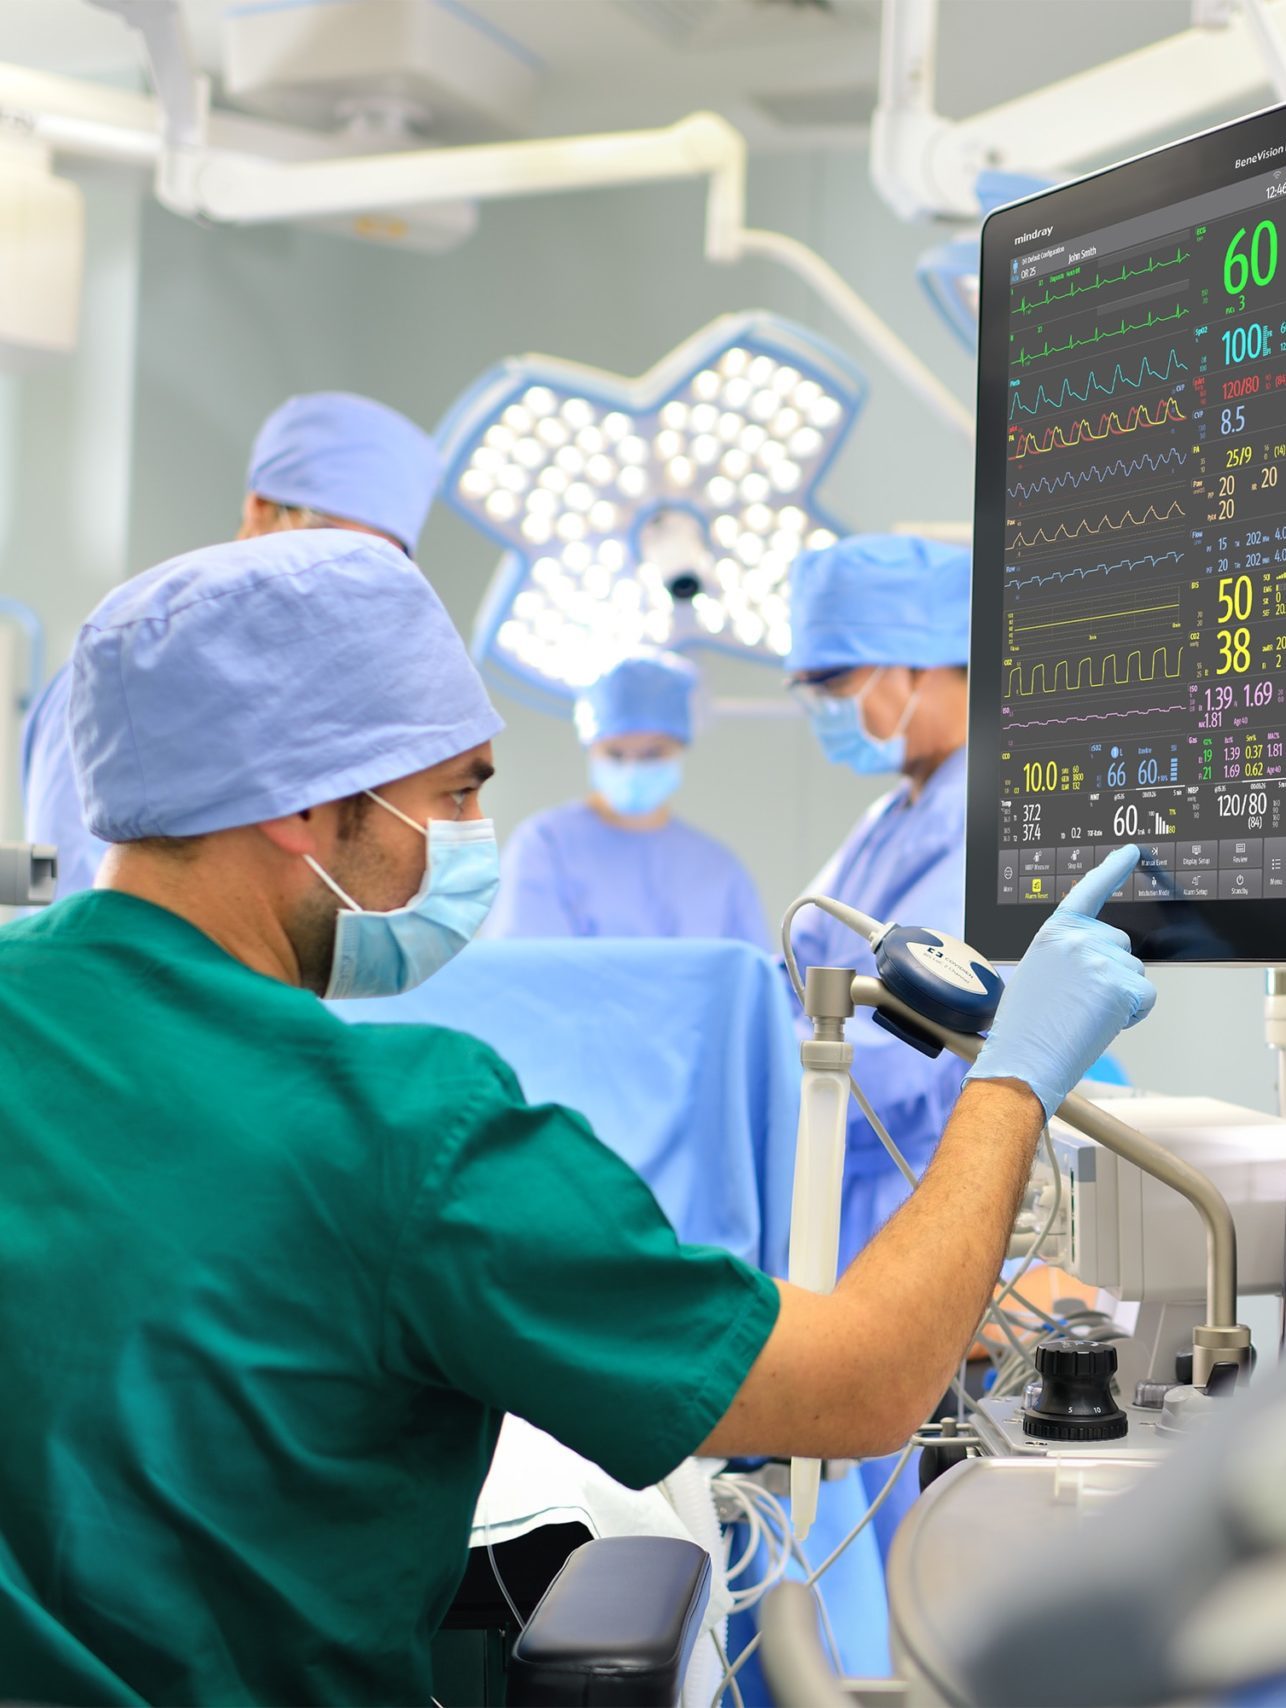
1128 660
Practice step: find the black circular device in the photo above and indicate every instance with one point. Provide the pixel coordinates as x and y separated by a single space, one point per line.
684 587
1073 1398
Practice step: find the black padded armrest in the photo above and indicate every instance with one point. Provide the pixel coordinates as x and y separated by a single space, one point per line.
615 1628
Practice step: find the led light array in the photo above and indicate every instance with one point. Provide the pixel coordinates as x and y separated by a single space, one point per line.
603 490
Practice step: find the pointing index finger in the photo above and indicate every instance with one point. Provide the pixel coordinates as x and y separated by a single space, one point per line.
1087 896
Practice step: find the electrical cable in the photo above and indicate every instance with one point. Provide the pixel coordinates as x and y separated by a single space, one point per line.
500 1582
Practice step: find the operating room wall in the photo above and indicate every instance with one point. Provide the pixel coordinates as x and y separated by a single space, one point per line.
229 322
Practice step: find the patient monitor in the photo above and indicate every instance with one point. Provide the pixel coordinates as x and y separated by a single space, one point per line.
1128 678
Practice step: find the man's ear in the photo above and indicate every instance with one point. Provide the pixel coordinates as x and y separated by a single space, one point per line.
294 834
258 516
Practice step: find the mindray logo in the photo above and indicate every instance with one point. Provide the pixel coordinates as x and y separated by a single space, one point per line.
1031 236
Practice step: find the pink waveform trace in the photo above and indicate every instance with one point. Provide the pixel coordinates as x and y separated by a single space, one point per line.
1095 717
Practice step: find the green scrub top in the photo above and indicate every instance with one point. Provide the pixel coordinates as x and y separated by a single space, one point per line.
267 1283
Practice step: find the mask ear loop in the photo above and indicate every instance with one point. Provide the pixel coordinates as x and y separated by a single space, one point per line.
332 885
397 812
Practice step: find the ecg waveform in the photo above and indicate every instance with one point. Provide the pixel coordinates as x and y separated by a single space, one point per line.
1096 717
1063 668
1084 526
1100 472
1110 425
1025 358
1146 374
1026 306
1126 563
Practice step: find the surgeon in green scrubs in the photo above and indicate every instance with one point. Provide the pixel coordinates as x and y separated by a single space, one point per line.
268 1281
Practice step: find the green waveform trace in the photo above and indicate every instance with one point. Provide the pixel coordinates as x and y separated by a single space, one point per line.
1026 357
1063 668
1153 266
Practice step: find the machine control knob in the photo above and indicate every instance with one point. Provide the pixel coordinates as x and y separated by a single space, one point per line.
1074 1400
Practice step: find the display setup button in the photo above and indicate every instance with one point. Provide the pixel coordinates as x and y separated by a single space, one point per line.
1241 885
1040 860
1198 886
1243 853
1196 856
1275 865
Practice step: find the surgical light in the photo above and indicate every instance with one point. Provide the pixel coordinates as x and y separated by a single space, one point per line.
631 511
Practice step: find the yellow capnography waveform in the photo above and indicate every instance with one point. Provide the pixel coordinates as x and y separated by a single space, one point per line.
1063 669
1128 520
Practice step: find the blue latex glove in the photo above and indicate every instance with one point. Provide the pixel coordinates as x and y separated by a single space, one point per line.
1077 986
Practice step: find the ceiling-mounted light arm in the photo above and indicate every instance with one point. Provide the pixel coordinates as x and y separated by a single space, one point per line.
216 185
183 92
221 186
874 331
925 165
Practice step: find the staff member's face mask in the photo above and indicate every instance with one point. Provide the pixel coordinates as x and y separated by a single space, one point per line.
839 723
384 954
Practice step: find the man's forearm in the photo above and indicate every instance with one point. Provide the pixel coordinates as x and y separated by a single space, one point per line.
935 1263
854 1372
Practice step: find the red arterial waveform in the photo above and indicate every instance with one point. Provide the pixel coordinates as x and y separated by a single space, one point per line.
1111 424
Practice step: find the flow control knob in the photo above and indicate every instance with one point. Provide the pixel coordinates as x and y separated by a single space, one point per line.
1073 1398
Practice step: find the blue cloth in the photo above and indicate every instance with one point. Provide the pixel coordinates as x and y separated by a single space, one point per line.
879 599
903 864
567 873
647 695
245 681
682 1058
50 799
348 457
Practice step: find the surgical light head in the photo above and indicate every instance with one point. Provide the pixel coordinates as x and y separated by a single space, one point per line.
662 511
650 694
348 457
880 599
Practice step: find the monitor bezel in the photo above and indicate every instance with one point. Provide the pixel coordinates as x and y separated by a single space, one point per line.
1250 932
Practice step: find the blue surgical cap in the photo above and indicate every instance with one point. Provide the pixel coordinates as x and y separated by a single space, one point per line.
348 457
250 680
879 599
647 695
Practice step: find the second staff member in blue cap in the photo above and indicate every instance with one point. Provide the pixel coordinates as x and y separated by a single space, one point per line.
324 459
620 864
880 642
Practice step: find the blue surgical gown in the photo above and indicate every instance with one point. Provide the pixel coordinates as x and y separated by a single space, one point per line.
903 864
50 799
567 873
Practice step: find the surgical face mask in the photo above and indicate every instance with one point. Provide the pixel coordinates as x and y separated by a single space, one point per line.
383 954
840 725
635 787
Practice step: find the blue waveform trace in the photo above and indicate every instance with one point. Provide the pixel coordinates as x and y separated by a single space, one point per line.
1067 390
1095 569
1079 477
